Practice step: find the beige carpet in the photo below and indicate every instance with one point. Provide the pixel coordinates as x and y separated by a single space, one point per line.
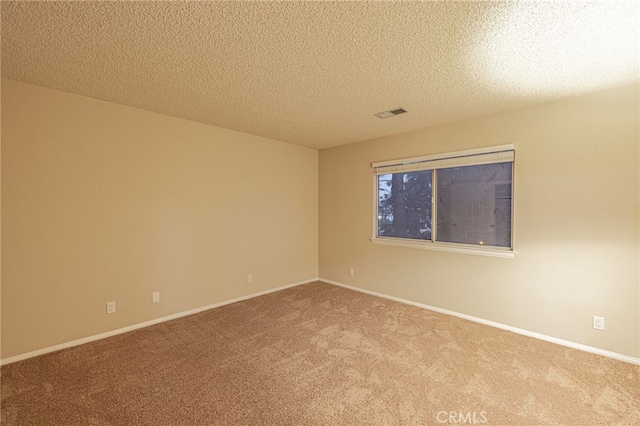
320 355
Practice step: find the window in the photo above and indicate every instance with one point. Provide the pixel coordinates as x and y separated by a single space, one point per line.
461 201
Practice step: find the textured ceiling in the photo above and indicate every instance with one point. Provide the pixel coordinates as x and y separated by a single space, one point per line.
314 73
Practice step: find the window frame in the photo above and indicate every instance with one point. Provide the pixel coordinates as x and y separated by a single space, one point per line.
475 249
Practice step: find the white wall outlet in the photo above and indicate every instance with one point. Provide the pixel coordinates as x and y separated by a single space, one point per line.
156 297
351 272
249 278
111 307
598 323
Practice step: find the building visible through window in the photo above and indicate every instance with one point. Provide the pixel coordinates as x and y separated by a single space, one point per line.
459 198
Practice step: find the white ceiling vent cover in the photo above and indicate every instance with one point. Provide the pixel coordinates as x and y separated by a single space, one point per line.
390 113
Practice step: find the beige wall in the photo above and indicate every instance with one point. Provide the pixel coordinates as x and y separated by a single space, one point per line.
576 213
104 202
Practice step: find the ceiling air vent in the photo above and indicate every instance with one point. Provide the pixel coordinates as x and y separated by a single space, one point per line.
390 113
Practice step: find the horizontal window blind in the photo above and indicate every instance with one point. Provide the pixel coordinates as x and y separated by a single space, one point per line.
499 154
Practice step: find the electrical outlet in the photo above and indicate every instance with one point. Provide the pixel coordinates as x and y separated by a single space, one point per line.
249 278
598 323
351 272
111 307
156 297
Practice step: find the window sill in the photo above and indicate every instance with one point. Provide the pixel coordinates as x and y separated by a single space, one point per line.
453 248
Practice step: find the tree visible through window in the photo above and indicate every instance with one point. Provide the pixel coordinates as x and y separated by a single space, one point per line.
471 204
405 205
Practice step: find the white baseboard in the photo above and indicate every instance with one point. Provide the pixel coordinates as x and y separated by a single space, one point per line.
144 324
562 342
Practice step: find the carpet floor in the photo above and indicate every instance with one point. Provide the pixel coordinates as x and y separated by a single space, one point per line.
318 354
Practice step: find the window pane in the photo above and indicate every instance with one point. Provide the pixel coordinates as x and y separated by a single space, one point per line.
404 205
474 205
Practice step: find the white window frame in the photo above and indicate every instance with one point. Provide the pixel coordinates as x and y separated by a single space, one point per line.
446 160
